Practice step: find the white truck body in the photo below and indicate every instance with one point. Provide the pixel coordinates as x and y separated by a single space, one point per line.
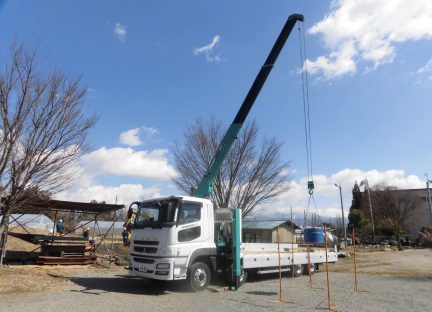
168 252
264 258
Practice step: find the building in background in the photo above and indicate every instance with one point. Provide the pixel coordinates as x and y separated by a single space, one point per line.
422 216
269 231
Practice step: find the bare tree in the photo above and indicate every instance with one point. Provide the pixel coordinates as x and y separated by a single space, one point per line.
43 131
249 177
394 208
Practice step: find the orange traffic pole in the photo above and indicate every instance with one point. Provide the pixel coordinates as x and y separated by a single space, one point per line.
355 263
330 306
280 270
309 266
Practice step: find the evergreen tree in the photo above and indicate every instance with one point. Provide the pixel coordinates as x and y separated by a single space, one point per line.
354 221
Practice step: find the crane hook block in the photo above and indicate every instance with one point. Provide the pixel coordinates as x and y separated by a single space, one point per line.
311 186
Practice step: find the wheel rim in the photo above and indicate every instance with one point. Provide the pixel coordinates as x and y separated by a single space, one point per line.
242 276
200 277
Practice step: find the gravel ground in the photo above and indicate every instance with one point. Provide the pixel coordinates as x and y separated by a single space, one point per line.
388 281
113 291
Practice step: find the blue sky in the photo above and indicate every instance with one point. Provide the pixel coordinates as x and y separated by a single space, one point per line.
154 66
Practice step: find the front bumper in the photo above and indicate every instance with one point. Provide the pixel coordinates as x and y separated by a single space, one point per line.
155 268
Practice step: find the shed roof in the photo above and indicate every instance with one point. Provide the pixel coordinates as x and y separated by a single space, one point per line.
265 225
61 205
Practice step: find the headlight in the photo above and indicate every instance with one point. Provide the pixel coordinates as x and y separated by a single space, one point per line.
163 266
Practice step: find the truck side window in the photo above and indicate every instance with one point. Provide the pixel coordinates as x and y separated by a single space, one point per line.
189 234
188 213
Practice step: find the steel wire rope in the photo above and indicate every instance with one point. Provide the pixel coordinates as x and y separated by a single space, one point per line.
307 121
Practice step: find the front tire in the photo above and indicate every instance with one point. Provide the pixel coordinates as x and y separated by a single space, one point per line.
199 276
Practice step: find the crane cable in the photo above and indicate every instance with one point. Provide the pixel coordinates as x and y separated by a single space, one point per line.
307 122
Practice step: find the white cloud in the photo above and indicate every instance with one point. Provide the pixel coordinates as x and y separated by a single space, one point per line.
120 31
368 30
327 195
208 50
426 68
131 137
128 162
336 64
150 131
148 165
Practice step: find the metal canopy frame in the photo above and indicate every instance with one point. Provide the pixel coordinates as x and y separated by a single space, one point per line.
67 206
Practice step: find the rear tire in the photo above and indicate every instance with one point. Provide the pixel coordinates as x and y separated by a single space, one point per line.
199 276
311 271
298 270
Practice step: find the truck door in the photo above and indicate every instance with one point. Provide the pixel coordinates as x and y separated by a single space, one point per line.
190 223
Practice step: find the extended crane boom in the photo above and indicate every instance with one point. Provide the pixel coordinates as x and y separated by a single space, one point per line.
188 238
205 187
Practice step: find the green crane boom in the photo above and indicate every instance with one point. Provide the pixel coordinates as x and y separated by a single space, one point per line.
205 187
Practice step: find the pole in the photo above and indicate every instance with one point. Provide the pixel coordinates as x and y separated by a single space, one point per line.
355 263
309 266
428 195
370 209
343 215
292 244
280 270
115 219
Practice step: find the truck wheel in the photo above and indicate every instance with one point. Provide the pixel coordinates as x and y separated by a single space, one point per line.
297 271
311 271
199 276
243 276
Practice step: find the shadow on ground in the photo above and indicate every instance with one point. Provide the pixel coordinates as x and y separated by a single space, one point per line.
21 257
262 293
131 285
425 278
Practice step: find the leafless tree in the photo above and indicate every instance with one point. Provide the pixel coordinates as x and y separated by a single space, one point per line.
250 175
394 208
43 131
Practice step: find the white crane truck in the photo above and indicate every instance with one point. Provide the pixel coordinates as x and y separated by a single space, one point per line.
185 237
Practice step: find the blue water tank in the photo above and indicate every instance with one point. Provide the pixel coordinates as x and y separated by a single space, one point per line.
314 235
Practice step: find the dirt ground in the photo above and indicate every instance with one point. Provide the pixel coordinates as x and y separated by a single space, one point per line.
407 263
388 281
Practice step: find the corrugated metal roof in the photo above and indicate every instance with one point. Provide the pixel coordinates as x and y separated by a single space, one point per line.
262 225
61 205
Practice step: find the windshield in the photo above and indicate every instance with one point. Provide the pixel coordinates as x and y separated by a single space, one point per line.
156 214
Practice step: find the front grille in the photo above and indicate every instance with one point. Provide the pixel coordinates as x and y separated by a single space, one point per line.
151 272
145 249
142 260
146 242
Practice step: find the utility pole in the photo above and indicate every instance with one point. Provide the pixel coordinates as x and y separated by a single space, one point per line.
365 182
370 209
428 195
343 215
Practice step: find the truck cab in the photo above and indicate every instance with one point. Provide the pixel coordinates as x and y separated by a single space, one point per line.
169 235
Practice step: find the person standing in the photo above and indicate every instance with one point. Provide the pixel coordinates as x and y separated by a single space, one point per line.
60 227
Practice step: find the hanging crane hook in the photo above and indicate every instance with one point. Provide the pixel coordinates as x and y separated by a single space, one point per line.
311 187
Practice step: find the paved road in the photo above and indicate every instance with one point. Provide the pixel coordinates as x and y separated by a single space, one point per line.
111 291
